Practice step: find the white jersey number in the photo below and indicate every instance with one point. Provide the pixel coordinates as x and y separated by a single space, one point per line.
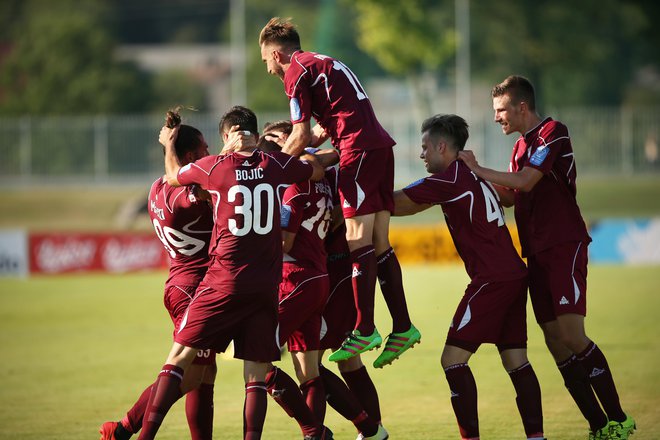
173 239
494 210
325 212
359 90
256 210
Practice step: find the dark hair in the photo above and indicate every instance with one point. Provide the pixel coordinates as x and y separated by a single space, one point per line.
267 145
280 31
519 88
285 126
188 139
241 116
452 127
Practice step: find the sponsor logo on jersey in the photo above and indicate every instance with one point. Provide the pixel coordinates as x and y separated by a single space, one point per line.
563 301
596 372
539 156
356 272
157 211
294 107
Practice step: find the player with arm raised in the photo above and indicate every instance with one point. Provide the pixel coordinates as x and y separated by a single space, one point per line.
492 309
324 88
183 221
237 299
542 183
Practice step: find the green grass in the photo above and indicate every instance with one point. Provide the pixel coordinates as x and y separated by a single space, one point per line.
77 351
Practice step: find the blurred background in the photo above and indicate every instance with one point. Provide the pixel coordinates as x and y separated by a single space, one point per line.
84 85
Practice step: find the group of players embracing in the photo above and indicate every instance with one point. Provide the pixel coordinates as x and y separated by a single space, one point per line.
272 243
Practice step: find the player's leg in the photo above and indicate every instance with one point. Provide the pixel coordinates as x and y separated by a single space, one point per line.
199 400
404 335
256 399
306 366
528 390
463 389
167 389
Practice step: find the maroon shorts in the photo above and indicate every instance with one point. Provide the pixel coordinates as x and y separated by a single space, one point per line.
558 281
491 313
176 300
303 293
215 318
366 182
339 314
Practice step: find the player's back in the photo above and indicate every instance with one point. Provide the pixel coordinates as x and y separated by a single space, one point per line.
183 223
322 87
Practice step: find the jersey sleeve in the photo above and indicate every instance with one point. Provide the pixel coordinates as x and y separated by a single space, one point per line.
298 89
197 172
293 207
552 140
429 190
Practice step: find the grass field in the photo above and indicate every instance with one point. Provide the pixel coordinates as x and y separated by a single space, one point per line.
79 349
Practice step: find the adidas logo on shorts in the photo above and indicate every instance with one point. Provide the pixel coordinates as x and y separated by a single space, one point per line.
356 272
346 204
563 301
596 372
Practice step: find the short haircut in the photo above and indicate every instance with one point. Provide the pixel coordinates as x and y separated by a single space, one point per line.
285 126
519 88
281 32
451 127
267 145
241 116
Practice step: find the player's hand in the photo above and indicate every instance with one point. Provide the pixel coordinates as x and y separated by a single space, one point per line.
468 157
238 140
167 136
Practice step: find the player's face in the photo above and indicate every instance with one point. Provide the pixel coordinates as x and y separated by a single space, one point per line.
431 154
268 57
202 150
507 114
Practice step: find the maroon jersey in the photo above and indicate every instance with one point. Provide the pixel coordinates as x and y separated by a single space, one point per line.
306 210
246 246
184 224
476 222
336 245
549 213
324 88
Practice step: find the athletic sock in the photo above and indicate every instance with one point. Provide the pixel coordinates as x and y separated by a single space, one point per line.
313 392
345 403
360 384
391 284
165 391
121 433
132 421
594 363
464 399
364 287
199 412
576 381
254 410
286 393
528 399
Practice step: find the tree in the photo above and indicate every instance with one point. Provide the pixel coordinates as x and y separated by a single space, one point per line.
61 62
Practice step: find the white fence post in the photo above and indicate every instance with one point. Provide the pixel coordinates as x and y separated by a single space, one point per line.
25 153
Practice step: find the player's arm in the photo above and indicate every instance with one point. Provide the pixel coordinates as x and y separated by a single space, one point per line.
318 170
523 180
319 136
506 195
403 205
299 139
167 138
326 157
287 240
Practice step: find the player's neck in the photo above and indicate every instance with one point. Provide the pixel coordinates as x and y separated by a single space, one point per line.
246 152
531 121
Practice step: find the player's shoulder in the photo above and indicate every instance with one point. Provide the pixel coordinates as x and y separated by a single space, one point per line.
553 127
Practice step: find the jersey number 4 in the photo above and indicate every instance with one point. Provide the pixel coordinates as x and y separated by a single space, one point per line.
494 210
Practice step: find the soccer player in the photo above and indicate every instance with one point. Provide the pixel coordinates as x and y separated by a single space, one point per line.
325 88
541 182
492 309
183 221
237 299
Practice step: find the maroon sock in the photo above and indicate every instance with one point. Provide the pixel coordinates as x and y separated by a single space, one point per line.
363 388
345 403
254 410
132 422
286 393
528 399
594 363
364 287
464 398
576 381
165 391
391 284
314 394
199 412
